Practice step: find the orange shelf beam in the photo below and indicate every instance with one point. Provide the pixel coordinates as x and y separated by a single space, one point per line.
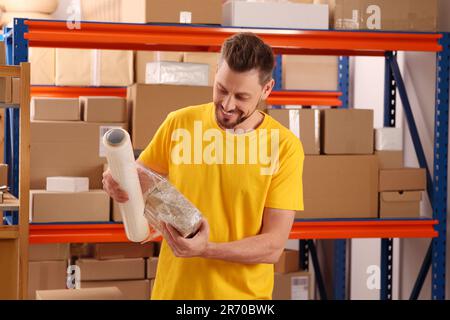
92 35
364 229
305 98
75 92
80 233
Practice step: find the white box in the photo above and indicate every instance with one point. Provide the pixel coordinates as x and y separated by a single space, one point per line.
275 15
388 139
67 184
178 73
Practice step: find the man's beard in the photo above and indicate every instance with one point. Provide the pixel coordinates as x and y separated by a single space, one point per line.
228 124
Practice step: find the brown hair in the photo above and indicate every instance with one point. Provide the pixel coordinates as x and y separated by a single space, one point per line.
246 51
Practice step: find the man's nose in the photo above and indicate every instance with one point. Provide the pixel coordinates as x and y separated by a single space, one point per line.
229 104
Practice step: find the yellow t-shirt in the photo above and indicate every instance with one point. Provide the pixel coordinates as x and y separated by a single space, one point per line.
230 178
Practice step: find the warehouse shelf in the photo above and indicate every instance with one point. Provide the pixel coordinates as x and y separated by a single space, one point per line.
92 35
18 201
337 229
291 97
10 203
9 232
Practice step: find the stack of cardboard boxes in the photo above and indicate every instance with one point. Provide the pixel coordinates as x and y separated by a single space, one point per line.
9 87
341 174
290 283
47 267
118 265
129 267
400 188
64 150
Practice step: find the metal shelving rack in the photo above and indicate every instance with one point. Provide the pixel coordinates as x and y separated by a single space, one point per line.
91 35
14 284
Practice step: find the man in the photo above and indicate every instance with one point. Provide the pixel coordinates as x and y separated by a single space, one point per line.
247 191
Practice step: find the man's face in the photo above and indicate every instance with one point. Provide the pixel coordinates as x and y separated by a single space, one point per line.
237 95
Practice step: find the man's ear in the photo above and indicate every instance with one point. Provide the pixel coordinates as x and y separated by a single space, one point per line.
267 89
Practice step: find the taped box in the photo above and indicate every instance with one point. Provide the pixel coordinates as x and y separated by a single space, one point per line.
304 123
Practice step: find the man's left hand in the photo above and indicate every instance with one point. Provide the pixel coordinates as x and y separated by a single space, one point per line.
187 248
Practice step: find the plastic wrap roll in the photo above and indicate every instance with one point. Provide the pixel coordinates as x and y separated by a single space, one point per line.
119 154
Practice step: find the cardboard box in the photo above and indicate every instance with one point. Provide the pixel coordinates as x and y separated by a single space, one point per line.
289 262
310 72
103 109
46 275
405 179
292 286
340 187
42 62
5 89
3 174
389 139
49 252
151 104
127 250
116 214
68 73
177 73
101 10
390 159
67 184
114 269
152 284
113 67
304 123
9 266
67 149
55 109
275 15
93 67
152 265
111 293
210 58
15 95
347 131
400 15
132 290
403 204
2 53
82 250
144 57
173 11
69 207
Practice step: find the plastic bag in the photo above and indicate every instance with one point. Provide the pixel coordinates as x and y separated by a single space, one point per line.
163 202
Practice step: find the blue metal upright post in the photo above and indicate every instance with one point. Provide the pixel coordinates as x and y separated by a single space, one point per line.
340 245
387 245
440 170
20 54
344 80
277 75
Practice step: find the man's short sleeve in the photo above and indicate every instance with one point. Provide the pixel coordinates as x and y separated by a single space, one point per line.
156 155
286 187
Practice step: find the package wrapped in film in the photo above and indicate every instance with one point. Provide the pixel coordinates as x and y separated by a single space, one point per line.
164 203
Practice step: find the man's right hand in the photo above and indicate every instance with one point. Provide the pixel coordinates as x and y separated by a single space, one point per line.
112 188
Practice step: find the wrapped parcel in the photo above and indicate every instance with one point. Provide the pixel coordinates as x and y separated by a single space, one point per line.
163 202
